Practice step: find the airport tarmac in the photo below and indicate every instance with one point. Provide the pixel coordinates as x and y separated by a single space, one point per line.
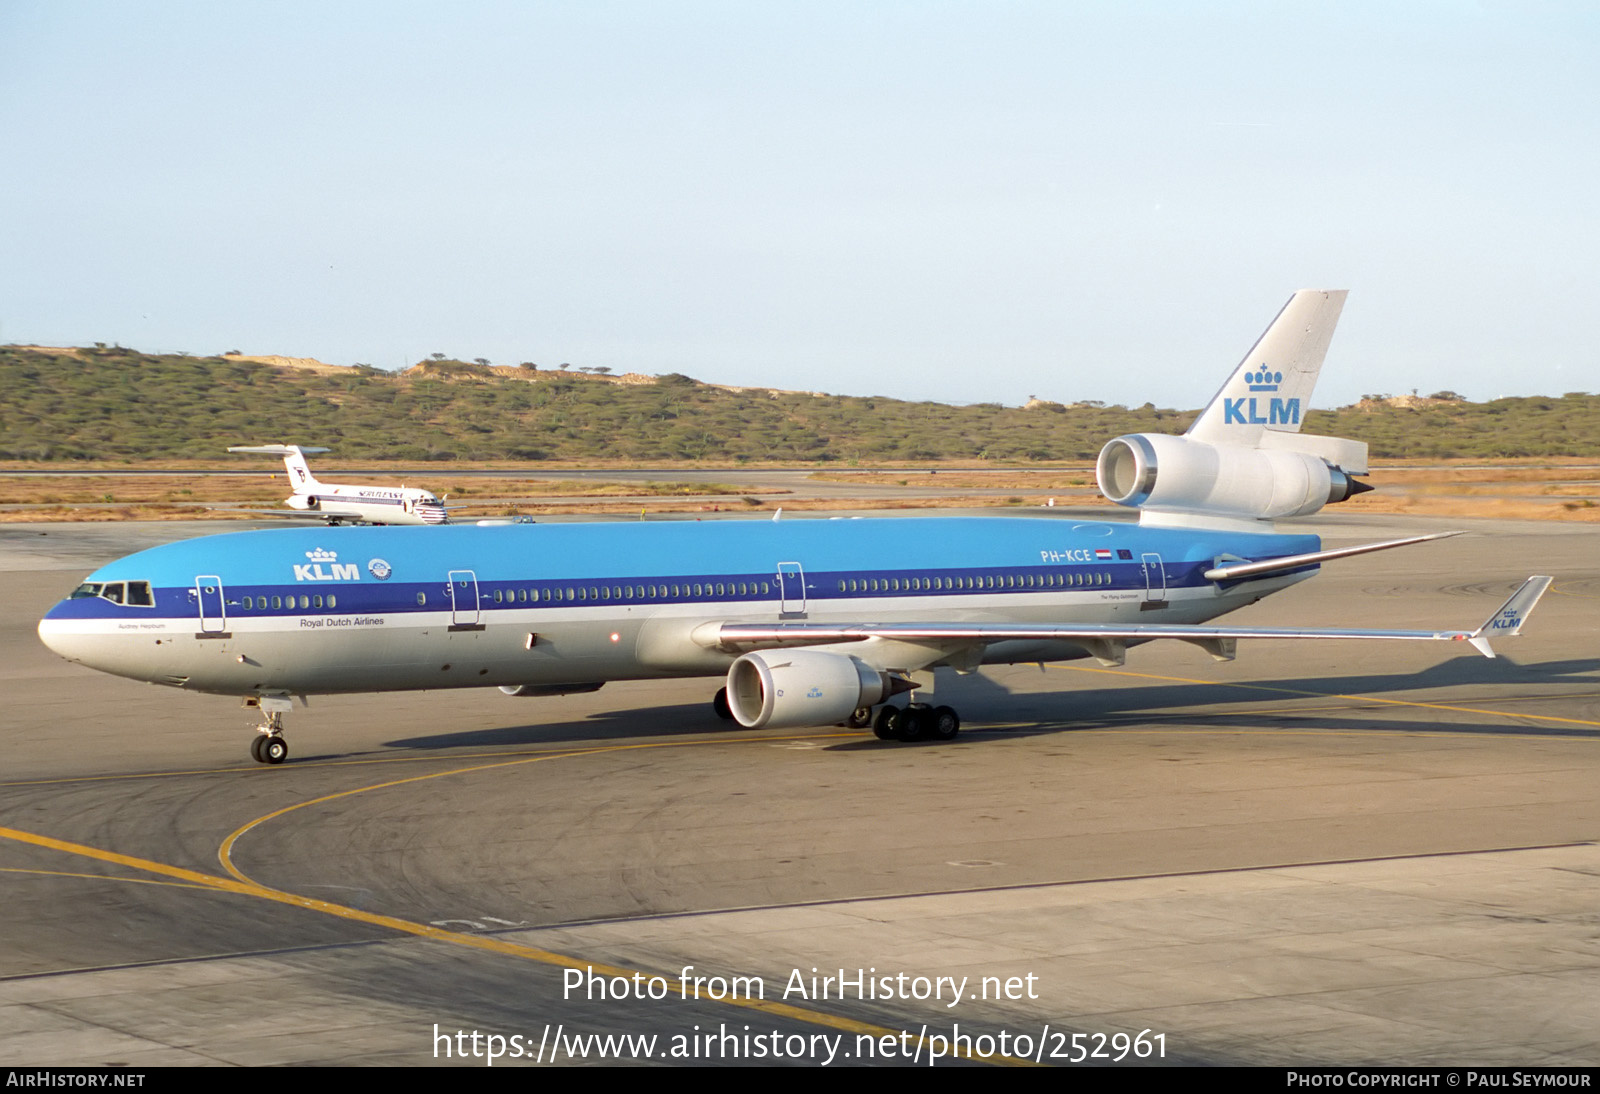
1322 853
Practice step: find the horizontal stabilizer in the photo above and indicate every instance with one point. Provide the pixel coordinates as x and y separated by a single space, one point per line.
277 449
1236 571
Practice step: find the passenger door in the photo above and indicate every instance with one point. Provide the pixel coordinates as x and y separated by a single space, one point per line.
209 604
1155 582
463 598
791 590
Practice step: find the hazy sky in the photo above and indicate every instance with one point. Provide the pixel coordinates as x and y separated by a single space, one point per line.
967 202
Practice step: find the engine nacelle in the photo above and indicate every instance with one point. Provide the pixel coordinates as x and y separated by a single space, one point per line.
784 688
1157 471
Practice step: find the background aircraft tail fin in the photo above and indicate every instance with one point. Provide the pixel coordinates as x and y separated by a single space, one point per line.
294 460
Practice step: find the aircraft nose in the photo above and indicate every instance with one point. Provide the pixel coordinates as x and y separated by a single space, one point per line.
61 635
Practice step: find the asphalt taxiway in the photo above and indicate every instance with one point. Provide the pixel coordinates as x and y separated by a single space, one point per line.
1336 853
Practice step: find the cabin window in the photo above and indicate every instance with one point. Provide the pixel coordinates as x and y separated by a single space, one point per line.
497 596
305 602
277 602
332 603
316 602
422 600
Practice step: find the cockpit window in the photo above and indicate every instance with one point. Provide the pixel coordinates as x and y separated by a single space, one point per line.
134 593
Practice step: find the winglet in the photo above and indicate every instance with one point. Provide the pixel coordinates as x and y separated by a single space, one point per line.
1512 614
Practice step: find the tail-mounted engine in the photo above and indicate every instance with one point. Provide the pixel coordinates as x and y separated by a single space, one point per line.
1154 471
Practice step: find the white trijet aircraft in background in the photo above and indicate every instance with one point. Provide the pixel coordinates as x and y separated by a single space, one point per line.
339 504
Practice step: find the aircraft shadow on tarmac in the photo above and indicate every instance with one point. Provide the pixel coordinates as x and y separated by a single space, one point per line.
1077 708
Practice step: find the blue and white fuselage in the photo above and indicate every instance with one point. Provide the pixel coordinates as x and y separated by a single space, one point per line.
295 611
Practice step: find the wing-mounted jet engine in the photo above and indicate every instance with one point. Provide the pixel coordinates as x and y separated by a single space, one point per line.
1244 460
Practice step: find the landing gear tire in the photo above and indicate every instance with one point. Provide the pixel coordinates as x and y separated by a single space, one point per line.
915 725
891 720
719 703
944 723
860 718
269 747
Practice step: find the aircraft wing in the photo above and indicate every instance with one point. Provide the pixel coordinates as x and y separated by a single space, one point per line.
325 515
1105 641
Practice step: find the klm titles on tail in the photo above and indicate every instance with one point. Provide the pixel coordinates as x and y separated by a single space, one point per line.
1279 411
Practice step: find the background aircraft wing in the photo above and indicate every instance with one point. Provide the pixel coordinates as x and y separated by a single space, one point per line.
324 515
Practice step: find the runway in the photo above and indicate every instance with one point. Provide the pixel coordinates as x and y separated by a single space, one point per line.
1318 854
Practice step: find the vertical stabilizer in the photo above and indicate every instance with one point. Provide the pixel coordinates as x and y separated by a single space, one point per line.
1271 388
294 460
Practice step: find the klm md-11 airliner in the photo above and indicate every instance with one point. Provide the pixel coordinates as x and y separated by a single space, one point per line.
811 622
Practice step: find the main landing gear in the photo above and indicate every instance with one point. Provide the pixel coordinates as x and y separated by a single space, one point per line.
269 747
916 722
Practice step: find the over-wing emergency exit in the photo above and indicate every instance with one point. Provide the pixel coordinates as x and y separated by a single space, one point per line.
809 622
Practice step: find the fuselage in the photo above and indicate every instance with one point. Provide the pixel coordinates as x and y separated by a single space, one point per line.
371 504
298 611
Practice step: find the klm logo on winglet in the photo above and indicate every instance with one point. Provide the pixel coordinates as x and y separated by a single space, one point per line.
1279 411
1508 620
313 571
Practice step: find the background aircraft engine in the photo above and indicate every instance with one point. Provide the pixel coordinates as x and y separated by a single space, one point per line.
1157 471
783 688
